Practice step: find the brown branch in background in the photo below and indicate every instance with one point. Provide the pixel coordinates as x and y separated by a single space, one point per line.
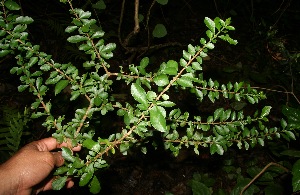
261 172
136 17
280 15
148 13
278 91
136 28
120 23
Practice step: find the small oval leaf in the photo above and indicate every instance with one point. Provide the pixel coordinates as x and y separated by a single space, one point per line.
159 31
157 119
139 94
60 86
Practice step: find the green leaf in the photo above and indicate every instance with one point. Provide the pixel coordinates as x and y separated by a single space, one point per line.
157 119
250 99
170 68
290 135
293 116
139 94
199 188
210 24
209 34
196 66
60 86
296 176
91 145
166 104
67 154
75 95
22 87
144 62
216 148
76 39
162 2
186 55
222 130
85 178
59 182
70 29
95 185
210 45
4 53
11 5
218 113
98 34
99 5
32 61
265 111
161 80
37 115
159 31
292 153
108 48
185 82
24 20
85 15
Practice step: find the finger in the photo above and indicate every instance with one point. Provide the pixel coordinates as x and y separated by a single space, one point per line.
50 143
46 144
69 184
58 159
48 185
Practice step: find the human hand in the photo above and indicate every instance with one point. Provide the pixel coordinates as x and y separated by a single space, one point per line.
28 170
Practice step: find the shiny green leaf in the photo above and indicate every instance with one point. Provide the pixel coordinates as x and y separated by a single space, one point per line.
70 29
59 182
4 53
11 5
265 111
185 82
161 80
91 145
216 148
24 20
157 119
296 176
67 154
21 88
62 84
95 186
139 94
162 2
166 104
76 39
85 178
159 31
210 24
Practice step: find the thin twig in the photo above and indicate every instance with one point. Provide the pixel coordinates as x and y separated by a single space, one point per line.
148 13
136 28
120 24
261 172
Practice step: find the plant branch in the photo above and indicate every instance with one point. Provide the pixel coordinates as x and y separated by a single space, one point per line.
136 28
261 172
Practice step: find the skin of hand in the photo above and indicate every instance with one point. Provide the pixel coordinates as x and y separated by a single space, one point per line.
29 170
